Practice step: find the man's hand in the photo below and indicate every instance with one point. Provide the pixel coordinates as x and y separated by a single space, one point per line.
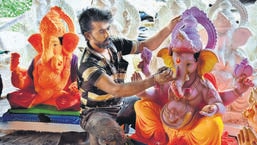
247 137
174 22
136 77
163 75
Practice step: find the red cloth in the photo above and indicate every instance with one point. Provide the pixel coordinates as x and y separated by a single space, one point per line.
211 78
228 140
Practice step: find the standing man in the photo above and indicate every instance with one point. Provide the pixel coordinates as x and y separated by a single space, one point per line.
102 71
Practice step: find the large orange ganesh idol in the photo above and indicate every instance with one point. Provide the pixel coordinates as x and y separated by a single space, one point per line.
51 77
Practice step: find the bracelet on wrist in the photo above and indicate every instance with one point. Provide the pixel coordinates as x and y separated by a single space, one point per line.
217 105
156 84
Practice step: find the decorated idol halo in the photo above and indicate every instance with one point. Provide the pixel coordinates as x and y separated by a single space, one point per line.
52 22
55 23
185 34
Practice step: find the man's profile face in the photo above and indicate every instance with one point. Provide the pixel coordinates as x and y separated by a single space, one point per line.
99 35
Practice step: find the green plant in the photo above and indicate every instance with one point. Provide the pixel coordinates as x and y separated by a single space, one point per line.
14 8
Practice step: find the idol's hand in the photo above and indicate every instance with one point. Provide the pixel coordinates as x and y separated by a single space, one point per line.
209 110
14 61
247 137
73 88
242 72
243 83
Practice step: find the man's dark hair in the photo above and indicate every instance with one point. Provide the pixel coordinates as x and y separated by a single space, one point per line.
93 15
60 39
196 55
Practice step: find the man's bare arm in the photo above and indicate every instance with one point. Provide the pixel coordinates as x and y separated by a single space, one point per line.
106 84
156 40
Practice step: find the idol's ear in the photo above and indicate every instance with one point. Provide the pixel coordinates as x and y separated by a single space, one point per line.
36 41
70 42
207 60
240 37
167 58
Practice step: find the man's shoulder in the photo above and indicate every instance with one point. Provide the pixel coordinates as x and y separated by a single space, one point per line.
123 44
120 40
89 57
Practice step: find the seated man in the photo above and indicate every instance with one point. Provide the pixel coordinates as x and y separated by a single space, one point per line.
102 72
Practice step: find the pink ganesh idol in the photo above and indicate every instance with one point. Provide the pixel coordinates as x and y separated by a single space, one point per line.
188 110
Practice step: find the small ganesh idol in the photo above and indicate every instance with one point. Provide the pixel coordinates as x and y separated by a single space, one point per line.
51 76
